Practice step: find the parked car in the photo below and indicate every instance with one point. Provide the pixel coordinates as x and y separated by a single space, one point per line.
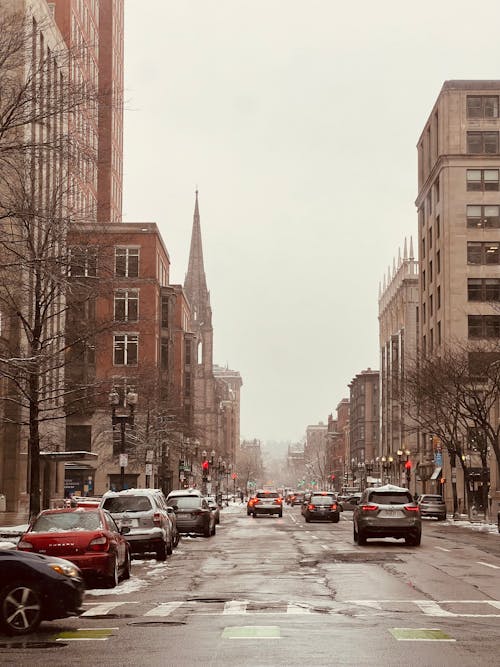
387 511
35 588
267 502
432 505
322 506
89 538
193 514
173 522
349 502
144 512
212 503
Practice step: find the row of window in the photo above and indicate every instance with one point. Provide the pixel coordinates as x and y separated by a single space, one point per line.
126 350
83 262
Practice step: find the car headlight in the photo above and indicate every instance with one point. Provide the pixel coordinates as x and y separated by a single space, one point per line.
67 570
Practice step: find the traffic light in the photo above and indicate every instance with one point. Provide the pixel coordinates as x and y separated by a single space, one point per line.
205 466
332 476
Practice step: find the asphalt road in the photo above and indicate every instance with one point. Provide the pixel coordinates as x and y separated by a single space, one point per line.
272 591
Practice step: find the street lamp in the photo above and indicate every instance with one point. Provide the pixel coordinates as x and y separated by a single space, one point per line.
227 473
122 419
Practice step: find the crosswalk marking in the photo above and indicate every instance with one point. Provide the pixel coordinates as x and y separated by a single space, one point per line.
430 608
495 567
164 609
235 607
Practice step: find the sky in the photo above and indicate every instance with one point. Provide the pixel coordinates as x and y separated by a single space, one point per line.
297 121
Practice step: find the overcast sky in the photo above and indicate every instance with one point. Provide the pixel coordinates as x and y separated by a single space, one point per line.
297 120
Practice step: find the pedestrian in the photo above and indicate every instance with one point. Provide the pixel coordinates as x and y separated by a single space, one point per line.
242 496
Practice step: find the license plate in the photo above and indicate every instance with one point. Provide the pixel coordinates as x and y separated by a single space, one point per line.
182 515
128 522
389 513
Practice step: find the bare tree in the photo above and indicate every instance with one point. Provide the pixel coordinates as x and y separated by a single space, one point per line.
454 399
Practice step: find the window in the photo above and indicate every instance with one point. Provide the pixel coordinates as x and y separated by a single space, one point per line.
483 253
430 238
164 354
423 280
439 333
187 352
436 190
423 248
423 313
430 272
483 289
126 305
83 262
164 311
482 106
431 306
484 326
438 261
431 340
483 216
481 180
438 227
127 262
125 347
482 142
439 297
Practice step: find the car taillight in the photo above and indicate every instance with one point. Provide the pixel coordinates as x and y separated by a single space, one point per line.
412 508
99 543
334 506
311 507
157 519
257 500
22 545
369 508
278 500
196 512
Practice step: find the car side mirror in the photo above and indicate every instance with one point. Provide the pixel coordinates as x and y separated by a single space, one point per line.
124 530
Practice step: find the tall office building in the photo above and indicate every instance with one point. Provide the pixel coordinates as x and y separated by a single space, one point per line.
459 220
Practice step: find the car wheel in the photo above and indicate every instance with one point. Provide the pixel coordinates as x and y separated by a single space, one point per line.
127 566
20 608
280 515
161 552
335 519
361 539
254 515
177 538
355 535
206 531
213 530
169 547
414 540
112 579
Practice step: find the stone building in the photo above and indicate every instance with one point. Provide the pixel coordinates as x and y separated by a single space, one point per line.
363 424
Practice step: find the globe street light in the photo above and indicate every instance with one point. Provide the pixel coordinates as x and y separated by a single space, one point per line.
122 419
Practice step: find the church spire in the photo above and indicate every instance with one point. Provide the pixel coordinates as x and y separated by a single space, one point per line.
195 282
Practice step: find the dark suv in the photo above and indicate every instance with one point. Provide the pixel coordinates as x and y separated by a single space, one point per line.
387 511
322 505
432 505
192 513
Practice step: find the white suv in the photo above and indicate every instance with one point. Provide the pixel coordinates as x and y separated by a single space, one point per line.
144 512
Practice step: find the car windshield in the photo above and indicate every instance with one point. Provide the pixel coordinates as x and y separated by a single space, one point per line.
116 504
185 502
322 500
390 498
56 523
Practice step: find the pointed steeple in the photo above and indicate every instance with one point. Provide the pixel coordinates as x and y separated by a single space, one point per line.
195 282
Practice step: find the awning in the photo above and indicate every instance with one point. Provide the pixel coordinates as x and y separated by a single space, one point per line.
64 457
437 473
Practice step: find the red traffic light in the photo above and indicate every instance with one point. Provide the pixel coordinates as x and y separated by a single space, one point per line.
408 465
332 476
205 466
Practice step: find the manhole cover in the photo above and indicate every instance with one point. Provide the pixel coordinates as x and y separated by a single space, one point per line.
145 623
101 617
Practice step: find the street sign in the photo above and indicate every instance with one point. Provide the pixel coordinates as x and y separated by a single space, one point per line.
123 460
149 468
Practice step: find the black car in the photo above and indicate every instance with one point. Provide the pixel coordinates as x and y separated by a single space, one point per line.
322 505
35 588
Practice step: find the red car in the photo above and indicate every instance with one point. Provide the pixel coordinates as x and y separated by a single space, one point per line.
89 538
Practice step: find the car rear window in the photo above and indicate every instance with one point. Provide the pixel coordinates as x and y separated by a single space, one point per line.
268 494
432 498
390 498
185 502
70 521
117 504
322 500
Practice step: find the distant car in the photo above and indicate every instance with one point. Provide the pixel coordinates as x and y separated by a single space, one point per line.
297 498
89 538
432 505
212 503
387 511
34 588
144 512
349 502
323 506
193 513
267 502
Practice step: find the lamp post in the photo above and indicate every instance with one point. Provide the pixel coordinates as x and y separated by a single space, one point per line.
122 419
387 467
227 473
205 466
369 470
407 468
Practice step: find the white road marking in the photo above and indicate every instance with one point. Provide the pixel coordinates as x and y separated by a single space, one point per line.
235 607
373 604
297 609
323 546
442 549
164 609
314 537
103 608
432 608
495 567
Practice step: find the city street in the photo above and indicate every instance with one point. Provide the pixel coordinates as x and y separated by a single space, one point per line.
271 591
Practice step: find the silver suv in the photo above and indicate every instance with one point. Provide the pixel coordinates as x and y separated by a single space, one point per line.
432 505
144 512
387 511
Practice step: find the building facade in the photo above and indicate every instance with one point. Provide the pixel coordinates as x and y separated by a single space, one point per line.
337 444
363 424
458 205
